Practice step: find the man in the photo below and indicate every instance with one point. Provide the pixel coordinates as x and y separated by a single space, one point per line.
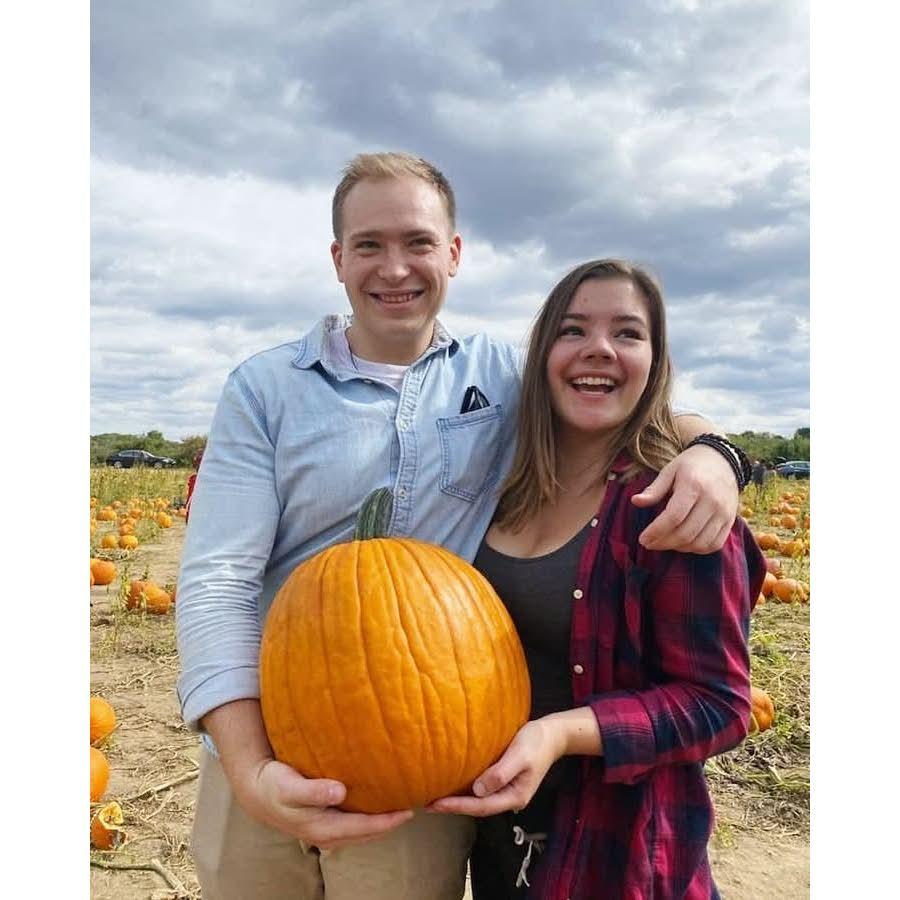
302 433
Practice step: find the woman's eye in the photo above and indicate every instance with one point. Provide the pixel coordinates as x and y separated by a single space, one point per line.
632 333
570 329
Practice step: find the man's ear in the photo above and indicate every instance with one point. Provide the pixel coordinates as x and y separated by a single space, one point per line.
337 257
455 253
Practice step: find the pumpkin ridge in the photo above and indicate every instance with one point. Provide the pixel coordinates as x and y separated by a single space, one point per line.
323 575
490 615
412 623
459 666
292 697
370 679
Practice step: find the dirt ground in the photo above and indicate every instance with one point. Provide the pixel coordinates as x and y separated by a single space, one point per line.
153 762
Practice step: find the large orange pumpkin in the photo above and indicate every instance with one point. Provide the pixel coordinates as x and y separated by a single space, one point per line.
392 666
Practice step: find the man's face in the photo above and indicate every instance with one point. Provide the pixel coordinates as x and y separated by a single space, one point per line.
395 257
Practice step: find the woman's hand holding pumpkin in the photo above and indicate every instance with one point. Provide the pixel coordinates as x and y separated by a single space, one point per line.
511 782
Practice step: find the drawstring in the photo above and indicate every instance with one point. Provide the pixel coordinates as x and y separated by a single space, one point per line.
534 840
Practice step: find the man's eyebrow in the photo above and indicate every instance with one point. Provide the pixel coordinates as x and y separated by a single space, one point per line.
377 233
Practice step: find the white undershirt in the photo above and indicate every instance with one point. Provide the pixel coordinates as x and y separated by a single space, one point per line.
387 373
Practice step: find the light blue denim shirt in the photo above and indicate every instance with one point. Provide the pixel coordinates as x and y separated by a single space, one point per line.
297 442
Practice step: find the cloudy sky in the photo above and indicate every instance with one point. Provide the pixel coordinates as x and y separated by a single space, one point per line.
673 132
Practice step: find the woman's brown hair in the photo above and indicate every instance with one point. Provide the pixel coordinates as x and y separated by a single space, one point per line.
649 435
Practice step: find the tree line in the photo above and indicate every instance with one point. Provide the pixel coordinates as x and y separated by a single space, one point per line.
757 445
771 447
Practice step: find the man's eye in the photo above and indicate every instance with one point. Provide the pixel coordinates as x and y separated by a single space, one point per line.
366 245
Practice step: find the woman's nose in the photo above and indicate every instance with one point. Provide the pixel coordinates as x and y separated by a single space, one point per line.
598 345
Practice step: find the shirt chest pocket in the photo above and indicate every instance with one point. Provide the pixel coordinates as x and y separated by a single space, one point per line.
470 452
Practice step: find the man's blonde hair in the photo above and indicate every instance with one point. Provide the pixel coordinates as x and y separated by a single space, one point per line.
380 166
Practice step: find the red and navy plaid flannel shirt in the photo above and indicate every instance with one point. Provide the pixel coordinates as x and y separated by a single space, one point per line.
659 652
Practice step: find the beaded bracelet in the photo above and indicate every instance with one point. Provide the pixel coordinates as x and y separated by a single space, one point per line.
736 457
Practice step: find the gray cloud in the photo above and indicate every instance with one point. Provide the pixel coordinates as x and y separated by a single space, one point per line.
672 132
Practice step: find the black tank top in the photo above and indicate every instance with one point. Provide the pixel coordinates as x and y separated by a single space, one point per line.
537 592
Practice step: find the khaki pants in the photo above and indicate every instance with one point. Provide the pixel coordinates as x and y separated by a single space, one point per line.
238 858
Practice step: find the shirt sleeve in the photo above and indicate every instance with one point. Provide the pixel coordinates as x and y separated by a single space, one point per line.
696 645
234 518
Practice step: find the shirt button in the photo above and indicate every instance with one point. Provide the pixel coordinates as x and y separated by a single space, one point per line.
611 476
401 493
578 669
367 380
577 593
594 523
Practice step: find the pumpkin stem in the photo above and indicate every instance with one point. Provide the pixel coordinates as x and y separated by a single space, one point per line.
374 515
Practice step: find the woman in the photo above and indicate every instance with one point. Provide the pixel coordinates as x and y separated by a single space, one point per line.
638 658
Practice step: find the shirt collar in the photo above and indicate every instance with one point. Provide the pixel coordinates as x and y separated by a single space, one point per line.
315 348
621 463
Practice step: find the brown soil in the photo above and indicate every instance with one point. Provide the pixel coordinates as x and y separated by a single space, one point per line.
153 761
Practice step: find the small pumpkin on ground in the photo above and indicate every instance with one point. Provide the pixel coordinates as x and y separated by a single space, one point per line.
99 774
128 542
392 666
106 827
768 541
134 596
762 710
794 549
109 541
789 590
158 601
104 571
103 719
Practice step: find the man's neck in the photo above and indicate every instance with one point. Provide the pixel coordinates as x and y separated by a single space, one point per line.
400 354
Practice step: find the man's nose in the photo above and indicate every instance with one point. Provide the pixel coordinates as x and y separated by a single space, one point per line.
394 264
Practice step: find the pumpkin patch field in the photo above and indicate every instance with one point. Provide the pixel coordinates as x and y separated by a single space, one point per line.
144 761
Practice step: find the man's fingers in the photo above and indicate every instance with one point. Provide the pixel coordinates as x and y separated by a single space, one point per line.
293 790
658 535
705 539
657 489
336 828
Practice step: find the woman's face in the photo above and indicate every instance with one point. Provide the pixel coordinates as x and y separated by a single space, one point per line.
599 364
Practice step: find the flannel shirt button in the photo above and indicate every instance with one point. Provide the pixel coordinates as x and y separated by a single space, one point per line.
577 593
578 669
611 476
594 523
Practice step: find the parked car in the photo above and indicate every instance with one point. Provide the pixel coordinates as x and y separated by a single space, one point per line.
125 459
795 468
